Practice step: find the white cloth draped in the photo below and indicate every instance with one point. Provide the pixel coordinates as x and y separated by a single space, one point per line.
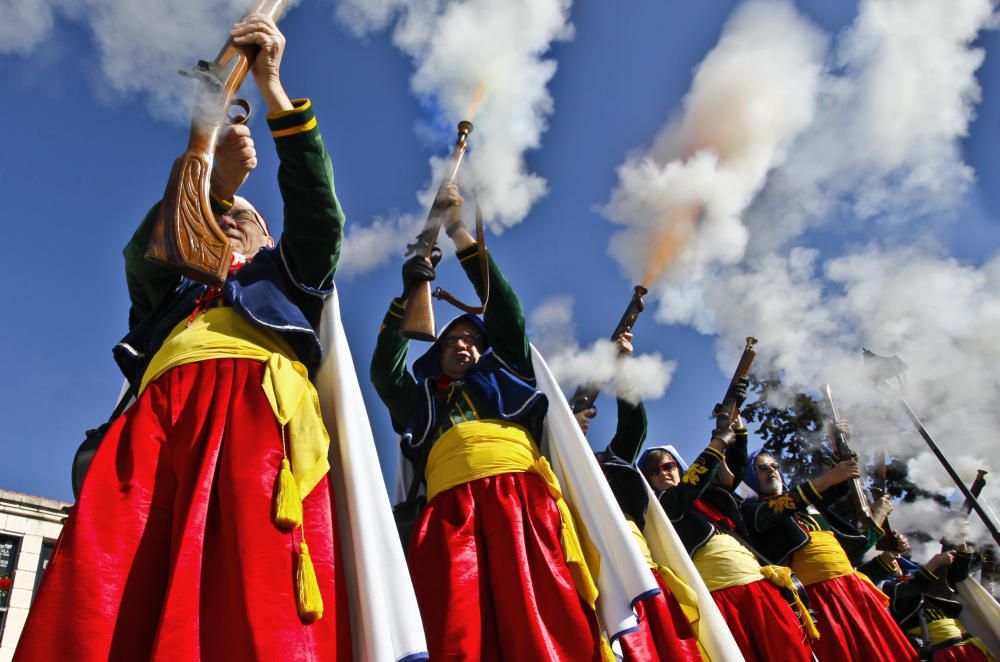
666 548
980 613
385 620
624 576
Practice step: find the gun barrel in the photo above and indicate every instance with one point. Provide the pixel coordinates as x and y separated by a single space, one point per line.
584 396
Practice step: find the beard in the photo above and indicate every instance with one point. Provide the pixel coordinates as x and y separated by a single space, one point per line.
770 485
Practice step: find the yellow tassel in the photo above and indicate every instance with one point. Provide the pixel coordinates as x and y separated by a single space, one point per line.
287 502
307 593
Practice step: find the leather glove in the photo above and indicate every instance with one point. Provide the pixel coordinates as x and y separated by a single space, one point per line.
416 270
737 392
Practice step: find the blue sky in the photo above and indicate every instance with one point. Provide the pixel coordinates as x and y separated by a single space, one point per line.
84 158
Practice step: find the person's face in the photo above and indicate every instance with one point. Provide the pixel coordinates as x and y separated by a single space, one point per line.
768 474
460 349
661 471
244 228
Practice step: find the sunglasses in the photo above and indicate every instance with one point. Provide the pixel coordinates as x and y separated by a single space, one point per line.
470 339
767 466
666 466
244 216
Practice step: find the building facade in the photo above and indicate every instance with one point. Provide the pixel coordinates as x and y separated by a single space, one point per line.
29 528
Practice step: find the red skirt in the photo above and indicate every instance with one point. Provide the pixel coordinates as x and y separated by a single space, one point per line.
171 554
959 653
664 631
763 624
853 624
491 578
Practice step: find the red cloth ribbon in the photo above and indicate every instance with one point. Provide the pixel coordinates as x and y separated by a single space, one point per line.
712 513
205 299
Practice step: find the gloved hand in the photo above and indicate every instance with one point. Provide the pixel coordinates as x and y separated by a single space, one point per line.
737 392
416 270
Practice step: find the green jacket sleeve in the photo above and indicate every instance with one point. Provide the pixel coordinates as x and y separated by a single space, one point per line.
148 282
763 516
314 220
393 382
678 500
631 431
878 569
504 318
736 457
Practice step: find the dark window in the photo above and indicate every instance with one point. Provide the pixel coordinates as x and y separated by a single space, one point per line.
43 563
9 548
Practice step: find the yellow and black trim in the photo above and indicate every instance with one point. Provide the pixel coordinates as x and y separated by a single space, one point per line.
714 452
298 119
219 205
469 252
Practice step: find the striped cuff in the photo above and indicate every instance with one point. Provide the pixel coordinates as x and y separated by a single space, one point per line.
393 316
468 253
891 566
299 119
714 452
396 308
219 206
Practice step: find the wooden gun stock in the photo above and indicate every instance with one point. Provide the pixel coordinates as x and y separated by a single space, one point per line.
732 408
186 236
844 452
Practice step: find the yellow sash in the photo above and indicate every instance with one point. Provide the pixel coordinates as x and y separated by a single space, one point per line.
780 575
823 558
478 449
223 333
945 629
724 562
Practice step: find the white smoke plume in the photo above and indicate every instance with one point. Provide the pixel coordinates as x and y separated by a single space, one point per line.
640 377
467 48
140 43
876 152
751 95
372 245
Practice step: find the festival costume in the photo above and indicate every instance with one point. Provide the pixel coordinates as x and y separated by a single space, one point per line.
664 631
707 518
172 552
495 559
853 621
919 599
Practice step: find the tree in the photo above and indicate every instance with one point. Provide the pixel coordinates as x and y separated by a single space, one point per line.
792 425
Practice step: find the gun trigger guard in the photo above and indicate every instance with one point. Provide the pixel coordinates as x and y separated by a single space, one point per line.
239 118
435 257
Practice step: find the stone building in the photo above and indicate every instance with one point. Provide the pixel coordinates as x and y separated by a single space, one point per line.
29 528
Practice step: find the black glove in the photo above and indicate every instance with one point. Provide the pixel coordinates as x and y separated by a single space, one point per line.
416 270
737 392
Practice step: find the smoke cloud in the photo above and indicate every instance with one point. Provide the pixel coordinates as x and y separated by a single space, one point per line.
140 43
640 377
752 94
869 142
493 49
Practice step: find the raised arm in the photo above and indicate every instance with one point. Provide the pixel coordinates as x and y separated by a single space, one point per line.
631 431
763 515
678 500
313 220
504 317
393 382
